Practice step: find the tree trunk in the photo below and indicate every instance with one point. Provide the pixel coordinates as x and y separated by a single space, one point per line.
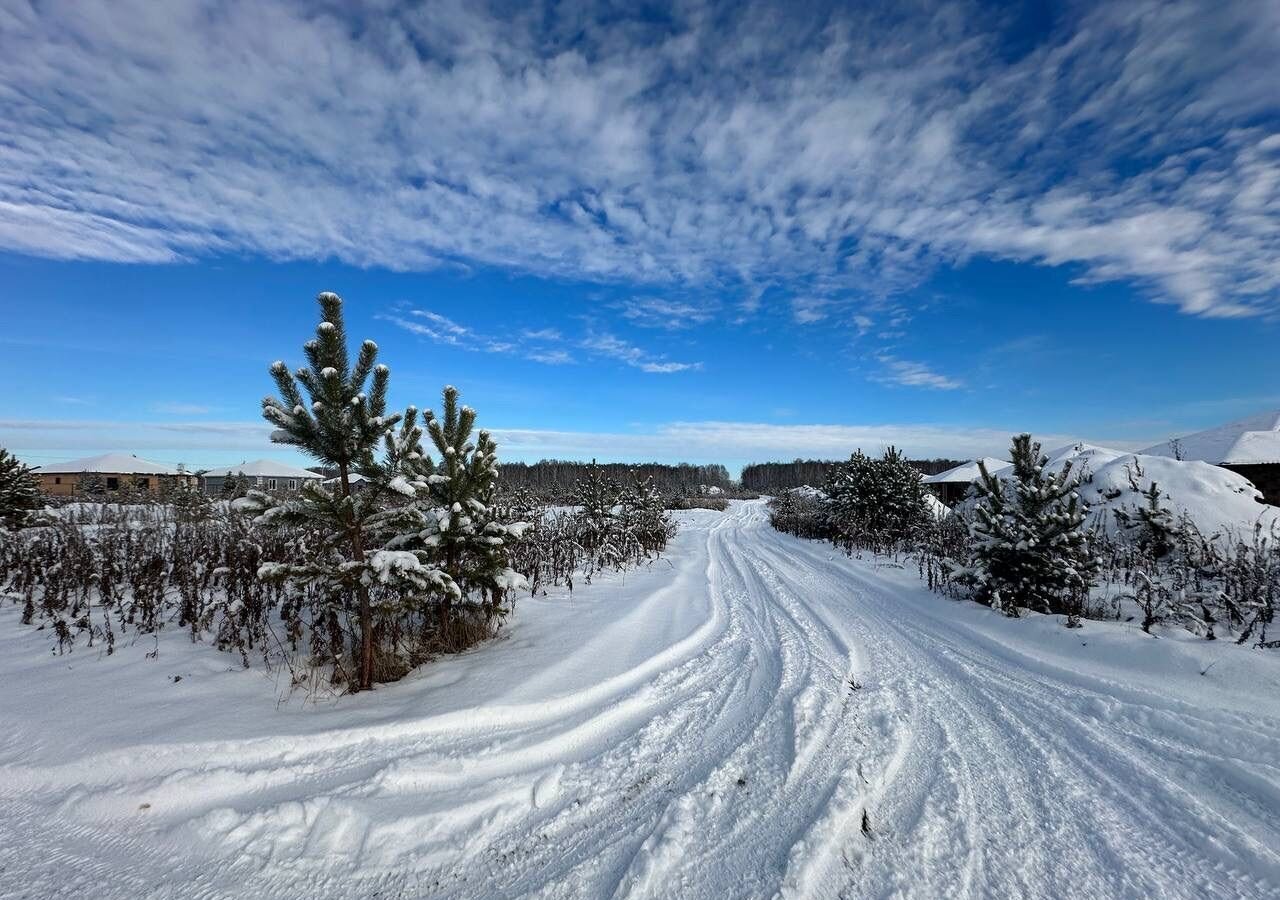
362 593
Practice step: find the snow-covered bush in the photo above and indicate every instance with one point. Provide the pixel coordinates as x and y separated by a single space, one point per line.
609 528
804 512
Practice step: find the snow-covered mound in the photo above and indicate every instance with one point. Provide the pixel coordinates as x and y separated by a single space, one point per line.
1084 458
807 492
1215 499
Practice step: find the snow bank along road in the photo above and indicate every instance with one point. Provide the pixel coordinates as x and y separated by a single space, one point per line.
756 716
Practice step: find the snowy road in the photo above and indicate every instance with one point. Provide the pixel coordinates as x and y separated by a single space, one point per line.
757 717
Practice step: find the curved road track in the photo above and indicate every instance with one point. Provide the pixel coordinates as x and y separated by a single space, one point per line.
826 729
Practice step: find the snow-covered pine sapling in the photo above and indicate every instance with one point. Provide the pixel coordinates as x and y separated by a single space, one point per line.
470 543
876 503
341 422
1030 547
1151 525
234 485
91 484
19 492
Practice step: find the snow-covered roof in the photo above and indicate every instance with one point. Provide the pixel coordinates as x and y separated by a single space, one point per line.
1249 441
353 478
269 468
112 464
967 472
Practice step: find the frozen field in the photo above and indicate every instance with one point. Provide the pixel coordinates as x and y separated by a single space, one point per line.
751 716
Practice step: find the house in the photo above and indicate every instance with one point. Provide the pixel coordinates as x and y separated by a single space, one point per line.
952 485
260 474
355 481
1249 447
111 472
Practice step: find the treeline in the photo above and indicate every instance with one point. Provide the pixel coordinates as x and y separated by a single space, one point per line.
772 477
556 479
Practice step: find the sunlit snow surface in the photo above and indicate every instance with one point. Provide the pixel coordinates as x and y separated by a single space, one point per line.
713 726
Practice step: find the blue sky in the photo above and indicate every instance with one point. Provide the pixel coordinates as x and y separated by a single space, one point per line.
703 232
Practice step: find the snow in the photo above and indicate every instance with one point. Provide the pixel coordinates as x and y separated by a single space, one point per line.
719 724
936 507
401 485
1215 499
966 473
1248 441
110 463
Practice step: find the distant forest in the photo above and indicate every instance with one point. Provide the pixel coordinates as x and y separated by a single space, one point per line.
771 477
554 479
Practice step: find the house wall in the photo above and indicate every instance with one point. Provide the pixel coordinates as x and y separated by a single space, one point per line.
1265 478
63 484
950 492
213 484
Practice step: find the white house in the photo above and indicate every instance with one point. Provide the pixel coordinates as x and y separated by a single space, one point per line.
262 474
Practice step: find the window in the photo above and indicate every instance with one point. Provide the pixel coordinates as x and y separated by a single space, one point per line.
143 483
293 484
57 481
271 484
113 484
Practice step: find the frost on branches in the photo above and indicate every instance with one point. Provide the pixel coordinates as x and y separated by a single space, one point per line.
397 550
1029 545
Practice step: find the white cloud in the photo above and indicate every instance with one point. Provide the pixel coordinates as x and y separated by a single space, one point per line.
659 312
691 441
913 374
808 310
614 347
444 330
848 151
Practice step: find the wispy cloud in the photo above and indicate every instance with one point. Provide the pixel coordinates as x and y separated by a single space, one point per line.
913 374
808 310
614 347
432 325
776 145
659 312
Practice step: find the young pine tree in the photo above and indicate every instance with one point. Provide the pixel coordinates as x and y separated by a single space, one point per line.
234 485
876 502
341 423
19 492
1151 525
470 541
1029 543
